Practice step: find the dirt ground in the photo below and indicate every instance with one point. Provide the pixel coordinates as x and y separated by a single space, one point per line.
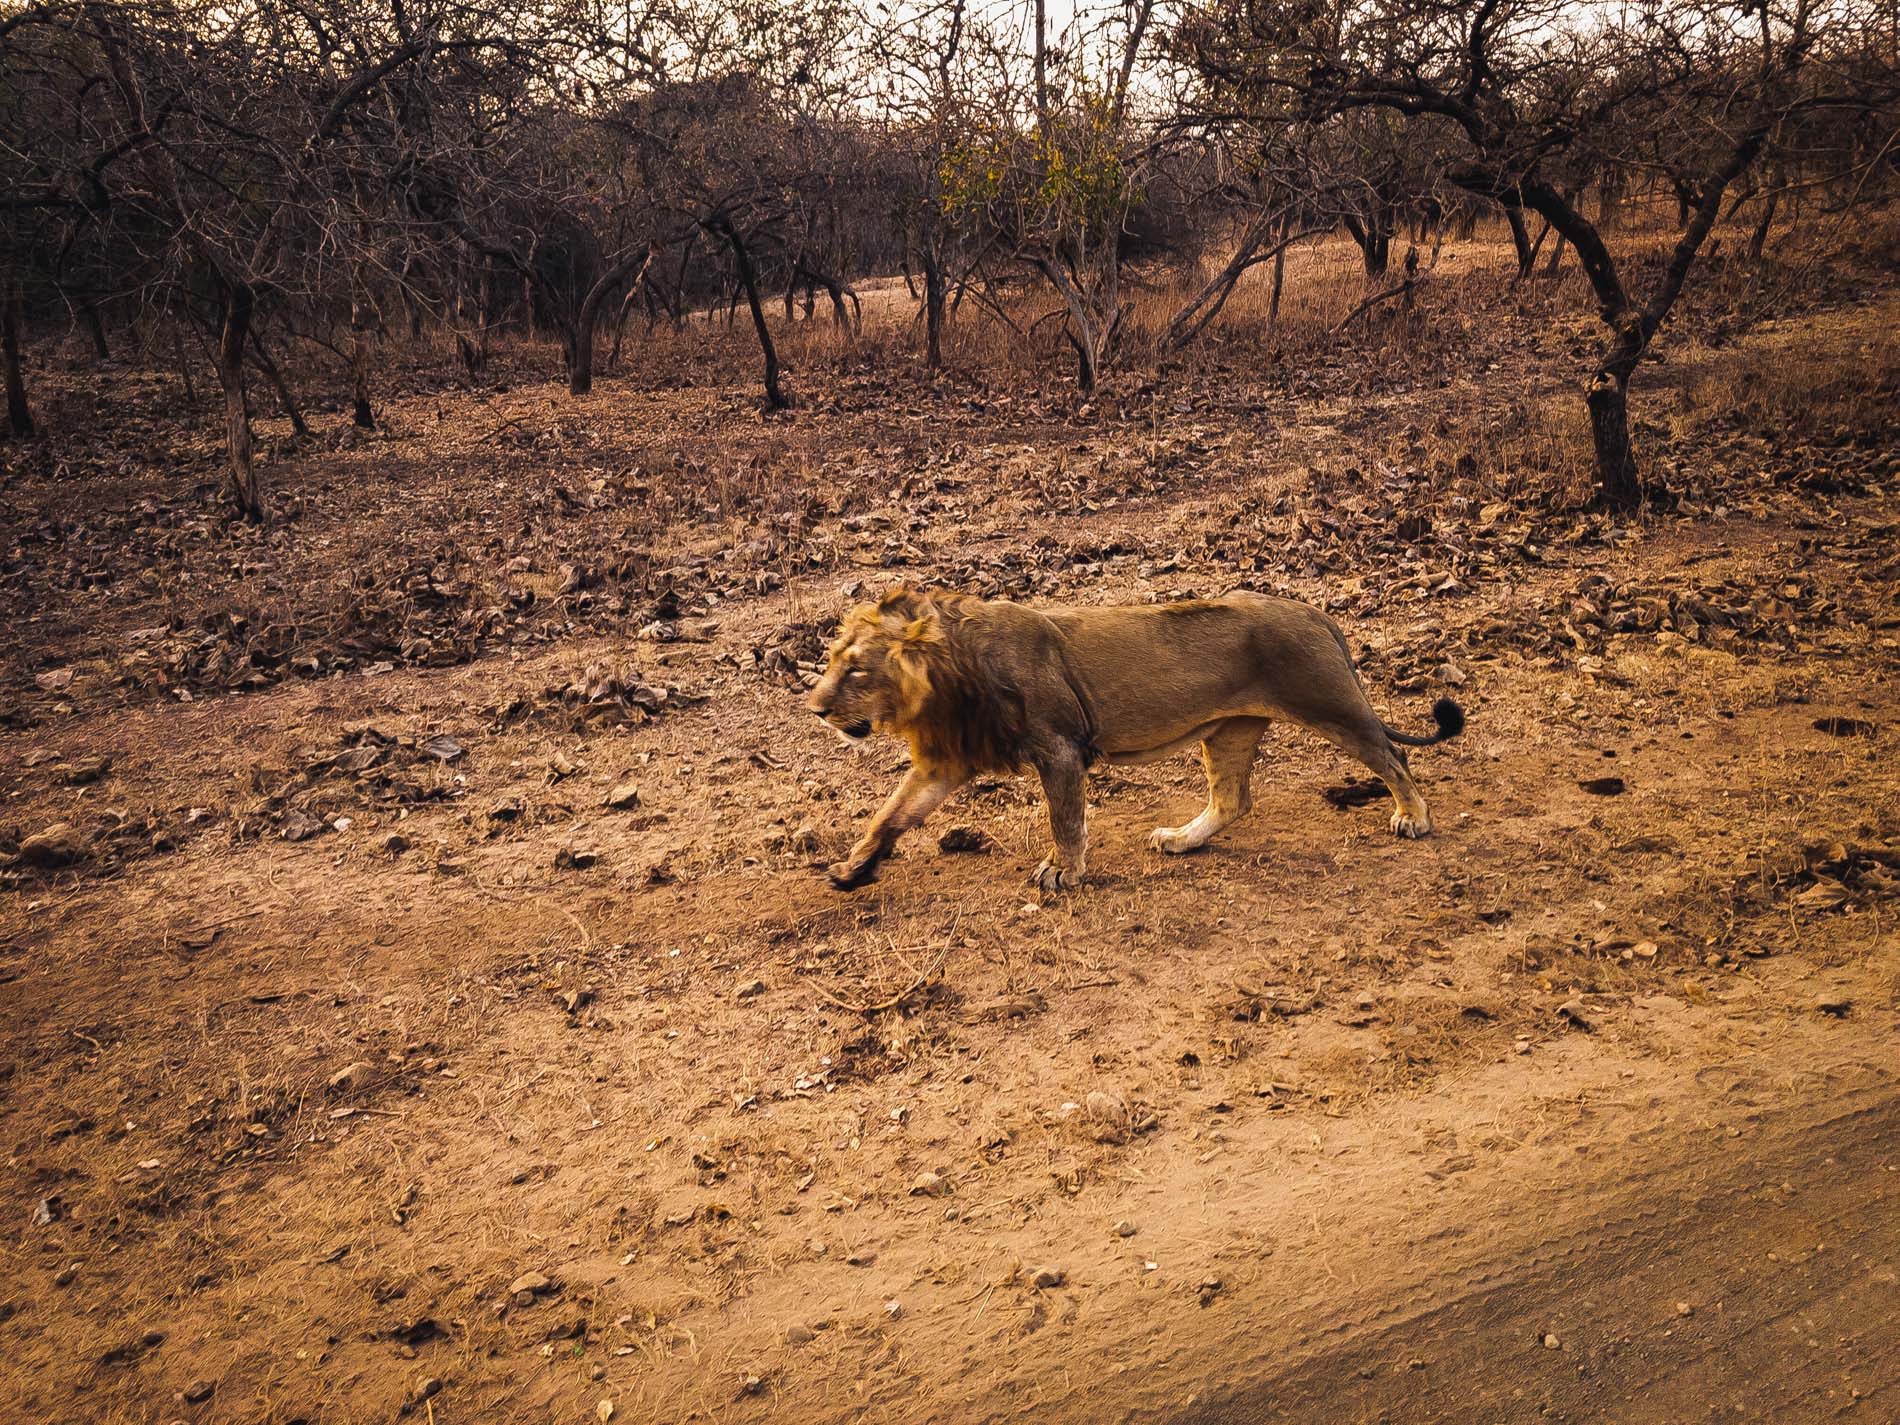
434 1007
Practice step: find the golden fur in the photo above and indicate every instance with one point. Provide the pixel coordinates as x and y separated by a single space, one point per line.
991 686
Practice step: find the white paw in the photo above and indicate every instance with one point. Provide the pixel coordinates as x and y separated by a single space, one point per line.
1051 877
1412 827
1172 839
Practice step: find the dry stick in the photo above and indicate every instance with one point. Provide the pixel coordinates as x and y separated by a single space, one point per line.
1406 286
587 941
895 1000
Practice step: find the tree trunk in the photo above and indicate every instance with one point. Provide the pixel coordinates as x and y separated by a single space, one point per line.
1279 280
1556 257
580 376
19 414
285 396
1759 238
246 492
748 280
933 310
1375 244
361 415
1608 400
1520 241
96 330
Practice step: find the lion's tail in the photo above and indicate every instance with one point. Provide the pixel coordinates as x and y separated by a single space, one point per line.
1450 719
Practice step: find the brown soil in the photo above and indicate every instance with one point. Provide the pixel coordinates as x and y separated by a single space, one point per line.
1582 1109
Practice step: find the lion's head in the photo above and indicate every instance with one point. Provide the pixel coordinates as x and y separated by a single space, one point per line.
876 677
909 666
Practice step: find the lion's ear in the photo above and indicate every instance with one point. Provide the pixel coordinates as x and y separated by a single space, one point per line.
902 602
928 629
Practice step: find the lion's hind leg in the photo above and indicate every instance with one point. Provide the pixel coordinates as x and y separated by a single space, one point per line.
1228 752
1366 740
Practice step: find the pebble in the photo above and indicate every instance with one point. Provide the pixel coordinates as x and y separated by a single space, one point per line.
1124 1228
622 797
349 1078
198 1390
929 1184
1551 1343
526 1287
1835 1004
1047 1277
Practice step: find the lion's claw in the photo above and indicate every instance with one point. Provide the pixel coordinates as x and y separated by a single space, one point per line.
1410 826
1051 877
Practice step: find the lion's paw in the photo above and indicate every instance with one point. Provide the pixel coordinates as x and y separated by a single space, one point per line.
847 876
1172 839
1051 877
1412 827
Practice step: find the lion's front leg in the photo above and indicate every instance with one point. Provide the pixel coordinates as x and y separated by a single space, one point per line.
1064 787
916 797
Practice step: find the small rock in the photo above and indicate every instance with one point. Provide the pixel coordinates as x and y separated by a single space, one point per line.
574 1001
605 1410
800 1335
622 798
57 845
1572 1011
1208 1289
526 1287
1683 1308
1047 1277
1124 1228
929 1184
750 989
1604 786
1837 1005
752 1384
574 858
56 681
893 1309
963 840
349 1078
83 772
427 1387
298 825
395 843
444 748
64 1276
197 1392
1551 1343
506 810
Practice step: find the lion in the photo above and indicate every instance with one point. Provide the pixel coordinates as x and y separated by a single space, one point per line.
989 686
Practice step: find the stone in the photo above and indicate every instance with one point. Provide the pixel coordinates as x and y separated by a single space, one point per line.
57 845
526 1287
349 1078
623 797
1046 1277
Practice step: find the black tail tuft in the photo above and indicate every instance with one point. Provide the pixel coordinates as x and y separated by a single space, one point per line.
1449 717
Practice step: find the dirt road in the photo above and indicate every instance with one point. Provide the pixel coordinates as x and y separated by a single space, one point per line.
430 1039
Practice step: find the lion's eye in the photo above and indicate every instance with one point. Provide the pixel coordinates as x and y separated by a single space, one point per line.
855 673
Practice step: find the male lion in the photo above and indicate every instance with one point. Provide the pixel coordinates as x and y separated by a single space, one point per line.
991 686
